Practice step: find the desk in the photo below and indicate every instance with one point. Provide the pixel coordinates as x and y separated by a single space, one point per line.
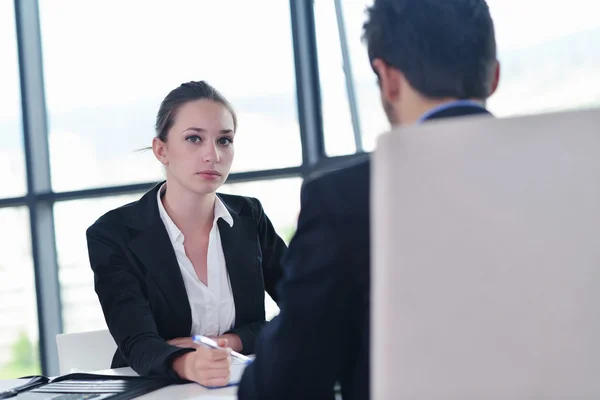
188 391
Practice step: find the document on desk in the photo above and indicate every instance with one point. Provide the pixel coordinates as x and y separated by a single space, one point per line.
93 386
237 370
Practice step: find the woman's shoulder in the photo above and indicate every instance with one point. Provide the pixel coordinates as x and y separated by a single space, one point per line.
135 214
116 219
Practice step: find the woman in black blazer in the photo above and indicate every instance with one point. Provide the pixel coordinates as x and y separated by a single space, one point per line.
184 260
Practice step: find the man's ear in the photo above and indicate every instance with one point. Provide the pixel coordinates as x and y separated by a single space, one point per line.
390 80
495 78
159 148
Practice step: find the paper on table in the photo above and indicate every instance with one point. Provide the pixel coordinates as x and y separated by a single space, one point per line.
125 371
237 370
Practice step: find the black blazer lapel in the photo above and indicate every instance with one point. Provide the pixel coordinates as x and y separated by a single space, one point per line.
240 247
153 248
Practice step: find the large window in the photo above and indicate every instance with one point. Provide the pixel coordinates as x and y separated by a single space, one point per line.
18 316
549 53
110 63
12 165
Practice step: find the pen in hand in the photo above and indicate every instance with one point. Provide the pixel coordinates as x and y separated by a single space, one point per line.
199 339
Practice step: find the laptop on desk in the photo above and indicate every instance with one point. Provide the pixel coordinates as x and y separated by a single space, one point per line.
486 259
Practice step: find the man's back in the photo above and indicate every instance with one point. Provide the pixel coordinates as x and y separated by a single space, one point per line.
346 194
321 336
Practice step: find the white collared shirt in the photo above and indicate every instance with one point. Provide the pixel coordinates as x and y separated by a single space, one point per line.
213 308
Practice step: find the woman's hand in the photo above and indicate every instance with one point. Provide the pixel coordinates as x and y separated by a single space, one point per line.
206 366
233 339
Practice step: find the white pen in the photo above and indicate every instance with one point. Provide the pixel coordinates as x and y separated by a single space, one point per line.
211 343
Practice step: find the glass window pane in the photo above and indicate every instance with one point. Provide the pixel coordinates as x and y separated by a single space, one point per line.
552 67
12 161
81 308
104 86
19 355
372 118
337 122
339 136
280 199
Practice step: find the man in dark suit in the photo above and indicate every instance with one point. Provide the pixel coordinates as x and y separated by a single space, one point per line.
433 59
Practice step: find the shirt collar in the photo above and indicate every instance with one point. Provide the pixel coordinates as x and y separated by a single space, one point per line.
445 106
173 231
222 212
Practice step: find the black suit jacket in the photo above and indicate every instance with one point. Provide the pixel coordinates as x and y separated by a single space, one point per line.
321 335
141 290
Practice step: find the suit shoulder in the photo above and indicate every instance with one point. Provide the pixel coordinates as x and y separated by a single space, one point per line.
345 189
115 218
353 173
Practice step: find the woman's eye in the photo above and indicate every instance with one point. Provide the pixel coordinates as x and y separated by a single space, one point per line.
193 139
225 141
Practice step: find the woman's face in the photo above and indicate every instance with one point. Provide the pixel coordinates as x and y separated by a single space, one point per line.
199 147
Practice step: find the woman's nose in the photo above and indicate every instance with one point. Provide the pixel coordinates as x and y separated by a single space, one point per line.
211 153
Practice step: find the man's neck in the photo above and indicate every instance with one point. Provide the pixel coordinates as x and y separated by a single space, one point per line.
417 111
442 107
